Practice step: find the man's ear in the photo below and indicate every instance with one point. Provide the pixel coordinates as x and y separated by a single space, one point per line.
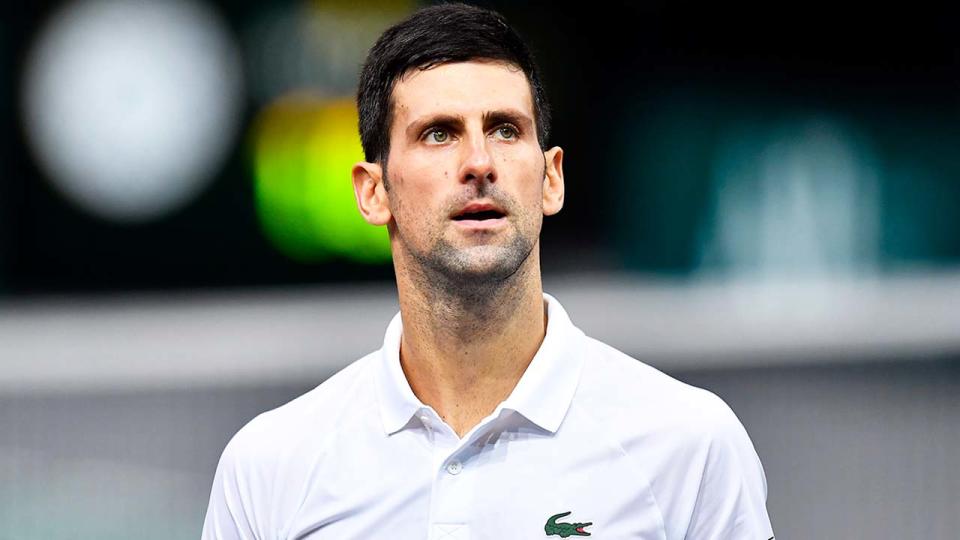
370 193
553 181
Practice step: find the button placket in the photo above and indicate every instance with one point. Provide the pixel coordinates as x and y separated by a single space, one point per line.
450 531
454 489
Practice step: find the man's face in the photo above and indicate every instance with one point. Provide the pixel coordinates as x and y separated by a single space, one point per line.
465 170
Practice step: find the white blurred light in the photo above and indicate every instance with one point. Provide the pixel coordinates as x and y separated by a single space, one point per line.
799 197
131 106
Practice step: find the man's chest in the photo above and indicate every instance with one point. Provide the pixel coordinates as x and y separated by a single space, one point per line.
515 487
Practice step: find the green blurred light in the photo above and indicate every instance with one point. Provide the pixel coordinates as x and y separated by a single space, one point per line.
304 149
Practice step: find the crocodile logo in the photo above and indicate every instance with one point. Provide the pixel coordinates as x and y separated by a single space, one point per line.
564 530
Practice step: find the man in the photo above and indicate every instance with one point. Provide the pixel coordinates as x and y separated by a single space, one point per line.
486 414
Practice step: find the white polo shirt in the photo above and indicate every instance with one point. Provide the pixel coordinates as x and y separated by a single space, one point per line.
590 442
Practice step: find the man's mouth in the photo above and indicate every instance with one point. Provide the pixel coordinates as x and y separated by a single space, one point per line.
479 212
479 216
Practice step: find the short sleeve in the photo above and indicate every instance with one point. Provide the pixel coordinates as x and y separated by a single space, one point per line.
229 516
732 500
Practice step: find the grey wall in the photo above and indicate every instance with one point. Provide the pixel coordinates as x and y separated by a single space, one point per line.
855 451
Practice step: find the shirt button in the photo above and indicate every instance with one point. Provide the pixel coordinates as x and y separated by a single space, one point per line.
454 467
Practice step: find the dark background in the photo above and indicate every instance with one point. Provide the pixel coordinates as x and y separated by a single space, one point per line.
640 94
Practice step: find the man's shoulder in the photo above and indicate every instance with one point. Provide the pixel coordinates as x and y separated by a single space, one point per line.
634 393
264 468
686 443
672 429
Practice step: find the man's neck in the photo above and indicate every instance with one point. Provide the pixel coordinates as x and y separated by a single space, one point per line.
463 355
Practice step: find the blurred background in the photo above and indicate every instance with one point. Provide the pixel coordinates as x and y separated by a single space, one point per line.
762 199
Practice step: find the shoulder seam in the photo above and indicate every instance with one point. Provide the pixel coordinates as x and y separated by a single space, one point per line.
612 441
364 368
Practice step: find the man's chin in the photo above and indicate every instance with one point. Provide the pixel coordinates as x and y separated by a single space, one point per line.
483 264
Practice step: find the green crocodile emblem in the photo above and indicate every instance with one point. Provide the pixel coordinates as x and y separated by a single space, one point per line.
564 530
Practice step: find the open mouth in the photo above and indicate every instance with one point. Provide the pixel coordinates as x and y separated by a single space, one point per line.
482 215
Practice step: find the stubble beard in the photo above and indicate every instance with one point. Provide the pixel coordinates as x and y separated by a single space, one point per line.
477 277
477 280
466 296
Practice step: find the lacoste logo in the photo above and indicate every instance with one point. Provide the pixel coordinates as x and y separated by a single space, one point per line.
564 530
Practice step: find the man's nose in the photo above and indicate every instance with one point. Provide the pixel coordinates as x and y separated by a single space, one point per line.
478 163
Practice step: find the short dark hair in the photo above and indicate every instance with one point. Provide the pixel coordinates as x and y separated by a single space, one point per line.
432 36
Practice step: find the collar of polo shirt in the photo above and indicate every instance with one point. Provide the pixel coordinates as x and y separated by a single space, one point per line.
542 395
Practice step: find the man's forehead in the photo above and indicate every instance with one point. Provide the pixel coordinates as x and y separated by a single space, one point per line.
462 88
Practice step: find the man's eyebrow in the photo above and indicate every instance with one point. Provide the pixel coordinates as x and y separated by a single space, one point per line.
417 126
507 116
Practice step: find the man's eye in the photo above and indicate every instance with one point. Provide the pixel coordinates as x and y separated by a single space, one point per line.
507 132
437 136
